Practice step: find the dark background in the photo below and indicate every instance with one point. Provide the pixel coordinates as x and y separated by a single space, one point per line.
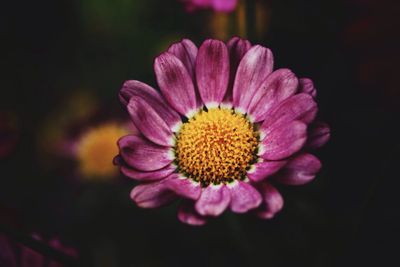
348 216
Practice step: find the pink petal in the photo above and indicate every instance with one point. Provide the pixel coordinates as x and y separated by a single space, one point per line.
307 86
175 83
185 51
152 97
142 154
152 195
30 258
278 86
262 170
254 67
212 71
299 170
244 197
272 201
187 214
149 122
318 135
237 48
183 186
214 200
284 141
298 107
224 5
147 176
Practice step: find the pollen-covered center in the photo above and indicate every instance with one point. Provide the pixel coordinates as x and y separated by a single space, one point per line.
216 146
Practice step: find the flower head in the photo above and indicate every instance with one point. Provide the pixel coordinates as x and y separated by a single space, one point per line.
223 130
96 148
216 5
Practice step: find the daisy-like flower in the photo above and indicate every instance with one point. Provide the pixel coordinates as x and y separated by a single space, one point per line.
223 130
95 149
216 5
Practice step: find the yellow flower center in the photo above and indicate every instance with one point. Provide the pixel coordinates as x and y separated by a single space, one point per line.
216 146
96 149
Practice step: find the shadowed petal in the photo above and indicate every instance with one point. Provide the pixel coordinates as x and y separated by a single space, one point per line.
307 86
262 170
254 67
214 200
175 83
7 255
212 72
152 97
147 176
152 195
299 170
237 48
150 124
272 201
183 186
185 51
298 107
244 197
142 154
284 141
318 134
278 86
187 214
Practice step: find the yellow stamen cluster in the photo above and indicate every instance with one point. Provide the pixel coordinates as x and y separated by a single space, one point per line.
216 146
96 149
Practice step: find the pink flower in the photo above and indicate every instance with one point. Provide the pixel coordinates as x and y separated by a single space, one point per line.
216 5
224 129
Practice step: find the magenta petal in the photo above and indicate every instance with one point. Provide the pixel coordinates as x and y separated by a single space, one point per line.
262 170
152 97
147 176
307 86
244 197
175 83
298 107
214 200
278 86
253 69
152 195
212 71
224 5
142 154
185 51
150 124
299 170
187 214
284 141
318 134
272 201
237 48
183 186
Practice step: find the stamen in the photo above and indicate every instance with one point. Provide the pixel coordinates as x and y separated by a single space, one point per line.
216 146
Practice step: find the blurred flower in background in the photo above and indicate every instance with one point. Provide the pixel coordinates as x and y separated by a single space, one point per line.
372 40
243 123
84 133
96 148
76 107
8 133
216 5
